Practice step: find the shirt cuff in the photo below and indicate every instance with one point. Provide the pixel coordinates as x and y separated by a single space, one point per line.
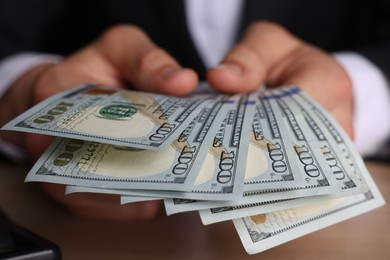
11 68
371 102
12 151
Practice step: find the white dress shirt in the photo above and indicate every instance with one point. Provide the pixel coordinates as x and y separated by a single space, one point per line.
213 26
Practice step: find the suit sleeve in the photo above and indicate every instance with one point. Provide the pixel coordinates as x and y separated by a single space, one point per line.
25 24
371 31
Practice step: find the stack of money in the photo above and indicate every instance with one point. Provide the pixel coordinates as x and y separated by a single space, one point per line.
273 161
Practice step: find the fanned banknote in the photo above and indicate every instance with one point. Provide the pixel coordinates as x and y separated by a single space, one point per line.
340 161
93 164
183 166
312 169
220 167
120 117
339 158
261 232
264 231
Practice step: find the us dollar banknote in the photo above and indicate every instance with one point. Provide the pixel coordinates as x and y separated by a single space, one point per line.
107 115
264 231
340 162
93 164
311 169
220 214
222 168
180 167
340 139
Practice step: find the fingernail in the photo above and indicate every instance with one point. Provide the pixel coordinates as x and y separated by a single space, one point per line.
230 68
169 72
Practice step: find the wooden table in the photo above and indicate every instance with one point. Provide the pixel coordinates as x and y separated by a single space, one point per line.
183 236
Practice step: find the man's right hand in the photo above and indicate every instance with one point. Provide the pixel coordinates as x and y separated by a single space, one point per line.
123 56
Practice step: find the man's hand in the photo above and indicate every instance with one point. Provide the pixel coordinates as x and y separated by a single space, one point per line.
123 56
102 206
270 55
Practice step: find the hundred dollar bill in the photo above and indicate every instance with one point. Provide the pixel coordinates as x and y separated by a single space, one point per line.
304 144
119 117
92 164
222 169
270 163
219 214
340 164
263 231
333 130
215 215
130 199
315 176
134 199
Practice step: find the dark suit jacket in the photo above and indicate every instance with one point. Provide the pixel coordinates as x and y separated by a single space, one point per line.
63 26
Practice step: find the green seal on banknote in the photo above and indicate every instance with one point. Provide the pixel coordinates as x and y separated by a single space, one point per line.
116 112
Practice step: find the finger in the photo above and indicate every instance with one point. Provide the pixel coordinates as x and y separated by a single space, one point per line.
142 63
109 207
250 62
36 144
321 77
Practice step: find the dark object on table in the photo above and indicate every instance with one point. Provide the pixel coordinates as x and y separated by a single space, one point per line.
18 243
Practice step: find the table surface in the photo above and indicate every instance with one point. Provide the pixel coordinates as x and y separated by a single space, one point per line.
182 236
